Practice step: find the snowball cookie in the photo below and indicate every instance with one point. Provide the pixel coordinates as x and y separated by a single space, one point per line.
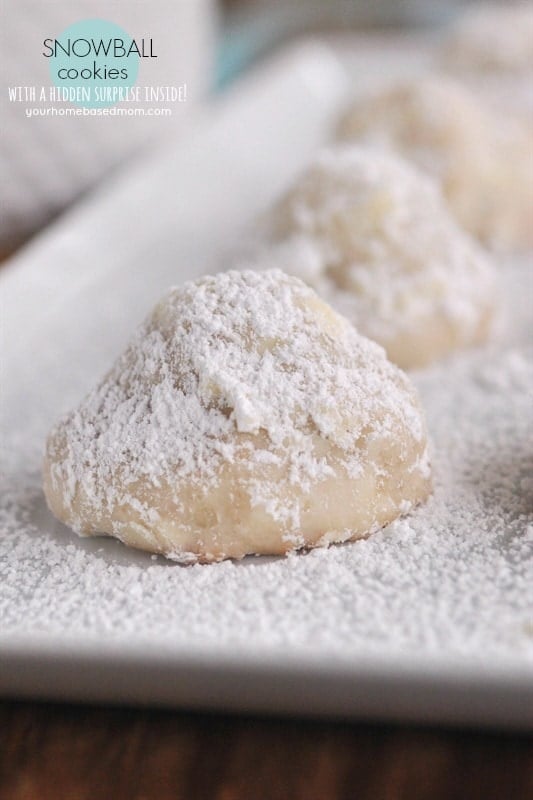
245 416
482 161
491 49
494 38
374 238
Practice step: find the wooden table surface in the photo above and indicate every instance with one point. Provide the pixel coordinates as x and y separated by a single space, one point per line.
51 752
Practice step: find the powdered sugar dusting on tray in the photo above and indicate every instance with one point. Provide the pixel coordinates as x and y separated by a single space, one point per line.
456 576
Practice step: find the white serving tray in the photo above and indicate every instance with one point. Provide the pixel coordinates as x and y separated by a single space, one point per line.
429 620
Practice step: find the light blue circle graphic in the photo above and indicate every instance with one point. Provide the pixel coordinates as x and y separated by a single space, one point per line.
95 57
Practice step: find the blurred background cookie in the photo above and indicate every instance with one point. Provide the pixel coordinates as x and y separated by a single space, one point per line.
376 240
482 160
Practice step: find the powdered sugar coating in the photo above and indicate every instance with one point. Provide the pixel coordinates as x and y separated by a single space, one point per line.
236 385
374 238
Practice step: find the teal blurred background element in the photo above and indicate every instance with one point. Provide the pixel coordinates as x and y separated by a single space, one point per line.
252 28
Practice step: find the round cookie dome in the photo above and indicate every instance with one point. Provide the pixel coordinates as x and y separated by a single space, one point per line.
481 161
245 416
492 37
374 238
